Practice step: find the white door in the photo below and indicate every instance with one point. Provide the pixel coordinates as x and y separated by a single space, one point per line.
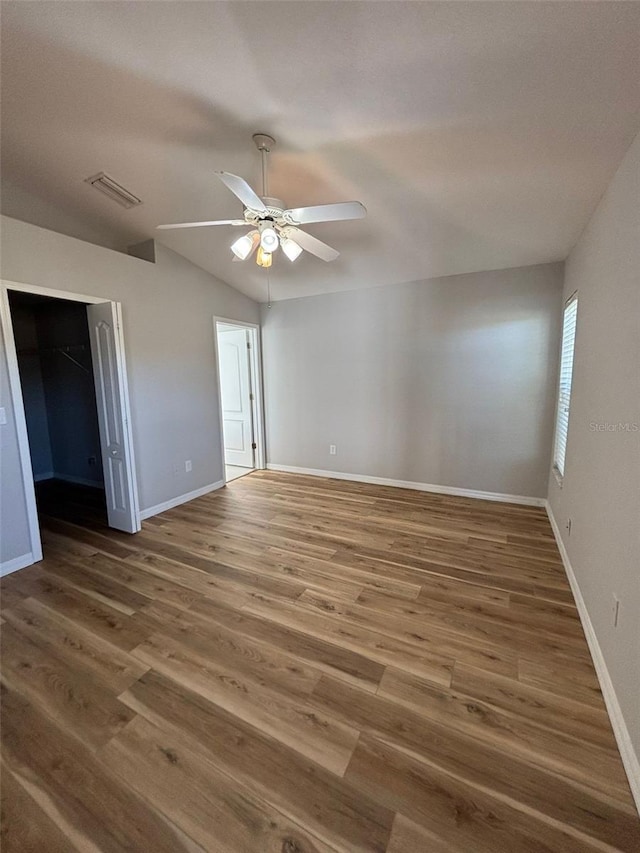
235 390
112 403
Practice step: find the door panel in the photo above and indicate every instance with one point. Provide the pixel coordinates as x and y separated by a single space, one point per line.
108 369
235 391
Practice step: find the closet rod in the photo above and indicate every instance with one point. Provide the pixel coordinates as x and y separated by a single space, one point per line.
65 351
71 358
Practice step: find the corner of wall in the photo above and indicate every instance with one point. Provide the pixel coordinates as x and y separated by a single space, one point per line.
145 251
630 759
599 491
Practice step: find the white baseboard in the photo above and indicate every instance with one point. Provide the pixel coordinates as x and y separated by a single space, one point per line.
17 563
181 499
409 484
628 754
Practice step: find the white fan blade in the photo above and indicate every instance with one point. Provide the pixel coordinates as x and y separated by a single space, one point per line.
202 224
326 212
312 244
240 188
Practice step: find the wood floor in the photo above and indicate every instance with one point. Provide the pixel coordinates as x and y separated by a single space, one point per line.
298 665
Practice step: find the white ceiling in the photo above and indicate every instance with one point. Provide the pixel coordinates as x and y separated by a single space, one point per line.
478 135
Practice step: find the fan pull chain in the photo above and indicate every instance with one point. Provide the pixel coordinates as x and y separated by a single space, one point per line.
268 288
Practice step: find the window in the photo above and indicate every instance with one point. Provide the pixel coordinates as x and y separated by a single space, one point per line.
564 388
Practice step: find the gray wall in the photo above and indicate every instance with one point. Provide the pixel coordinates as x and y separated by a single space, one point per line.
449 381
167 314
69 391
600 492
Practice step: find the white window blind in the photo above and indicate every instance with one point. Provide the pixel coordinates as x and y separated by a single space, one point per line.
564 388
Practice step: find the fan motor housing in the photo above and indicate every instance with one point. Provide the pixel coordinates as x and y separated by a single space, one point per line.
275 209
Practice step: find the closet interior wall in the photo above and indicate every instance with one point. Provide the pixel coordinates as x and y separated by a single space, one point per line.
56 374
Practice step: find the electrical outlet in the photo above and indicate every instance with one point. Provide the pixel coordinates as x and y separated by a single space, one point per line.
615 610
92 460
187 466
332 450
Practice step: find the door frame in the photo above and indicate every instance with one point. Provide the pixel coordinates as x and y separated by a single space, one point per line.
17 400
255 369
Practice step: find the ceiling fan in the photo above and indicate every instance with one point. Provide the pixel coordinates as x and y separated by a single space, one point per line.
273 226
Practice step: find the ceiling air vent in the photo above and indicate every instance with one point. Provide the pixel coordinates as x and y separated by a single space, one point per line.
113 190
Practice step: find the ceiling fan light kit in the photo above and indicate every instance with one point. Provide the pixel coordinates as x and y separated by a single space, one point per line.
272 225
246 245
290 248
268 237
264 259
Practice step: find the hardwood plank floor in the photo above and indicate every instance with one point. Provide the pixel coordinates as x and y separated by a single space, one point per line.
298 665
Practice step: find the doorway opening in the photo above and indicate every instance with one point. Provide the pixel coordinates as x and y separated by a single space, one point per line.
59 396
67 378
238 357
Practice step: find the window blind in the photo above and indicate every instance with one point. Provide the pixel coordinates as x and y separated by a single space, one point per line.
564 387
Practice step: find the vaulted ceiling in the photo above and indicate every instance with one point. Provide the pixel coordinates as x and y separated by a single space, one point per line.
479 135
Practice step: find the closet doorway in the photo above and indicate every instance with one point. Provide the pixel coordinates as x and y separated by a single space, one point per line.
239 373
68 384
